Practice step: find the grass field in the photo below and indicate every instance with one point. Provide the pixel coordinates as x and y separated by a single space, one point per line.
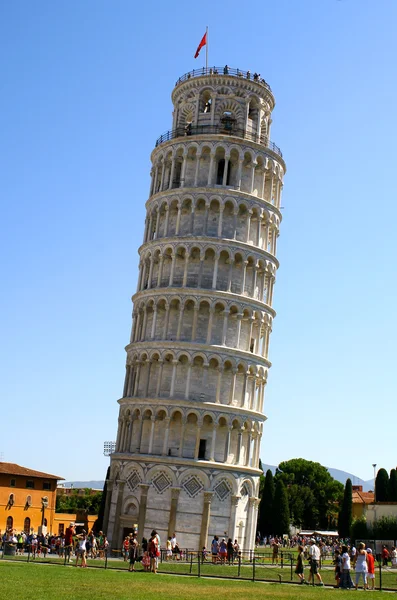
30 581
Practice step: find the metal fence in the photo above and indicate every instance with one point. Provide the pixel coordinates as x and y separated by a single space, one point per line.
251 565
226 70
223 129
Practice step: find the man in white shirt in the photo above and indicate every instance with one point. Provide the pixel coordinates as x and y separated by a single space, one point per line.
314 558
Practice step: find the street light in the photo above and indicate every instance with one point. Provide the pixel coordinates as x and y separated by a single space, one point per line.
108 448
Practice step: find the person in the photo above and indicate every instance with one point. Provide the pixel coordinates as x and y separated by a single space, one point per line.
153 552
371 569
385 556
299 569
168 546
146 561
215 549
81 548
393 556
275 548
361 565
70 532
236 550
345 580
223 551
314 556
230 550
338 566
203 554
126 548
132 552
226 70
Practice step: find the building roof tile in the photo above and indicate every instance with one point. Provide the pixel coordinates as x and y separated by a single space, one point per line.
7 468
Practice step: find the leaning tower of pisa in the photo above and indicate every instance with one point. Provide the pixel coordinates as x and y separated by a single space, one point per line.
192 412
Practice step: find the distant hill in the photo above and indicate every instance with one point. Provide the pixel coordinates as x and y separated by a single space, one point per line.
95 485
339 476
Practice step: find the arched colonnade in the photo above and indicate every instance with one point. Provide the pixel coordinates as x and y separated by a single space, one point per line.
188 434
204 320
217 165
215 217
195 377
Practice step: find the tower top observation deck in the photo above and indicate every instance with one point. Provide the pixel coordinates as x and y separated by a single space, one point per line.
222 101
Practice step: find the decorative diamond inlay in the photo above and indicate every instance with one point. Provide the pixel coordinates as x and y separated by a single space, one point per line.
134 480
222 490
244 490
192 486
161 482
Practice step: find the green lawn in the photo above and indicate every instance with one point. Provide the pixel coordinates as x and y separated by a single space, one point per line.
35 581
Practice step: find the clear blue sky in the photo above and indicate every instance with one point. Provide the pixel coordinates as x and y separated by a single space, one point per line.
85 92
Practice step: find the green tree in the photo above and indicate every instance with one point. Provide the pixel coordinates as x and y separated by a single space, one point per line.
313 494
265 514
392 489
385 528
346 512
281 519
381 486
98 525
359 530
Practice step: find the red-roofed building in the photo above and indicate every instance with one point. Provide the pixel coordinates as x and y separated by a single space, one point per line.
361 500
27 498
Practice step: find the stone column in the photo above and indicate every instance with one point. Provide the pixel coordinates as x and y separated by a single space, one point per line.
200 274
198 156
209 182
173 510
213 442
239 444
185 269
224 331
221 209
206 215
233 517
215 274
152 426
172 173
139 436
183 425
173 377
161 363
224 180
171 279
248 225
239 171
167 316
229 281
157 225
149 366
117 533
126 381
194 327
227 444
187 388
178 219
154 321
232 387
218 386
167 220
264 183
209 329
136 386
244 277
248 450
180 322
160 273
183 171
205 521
253 176
109 490
131 424
197 446
143 333
166 436
142 509
193 211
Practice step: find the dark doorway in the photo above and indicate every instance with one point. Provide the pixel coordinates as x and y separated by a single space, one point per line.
202 448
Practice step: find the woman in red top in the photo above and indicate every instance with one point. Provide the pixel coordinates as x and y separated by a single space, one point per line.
371 568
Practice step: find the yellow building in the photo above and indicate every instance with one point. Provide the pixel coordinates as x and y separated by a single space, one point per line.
27 498
360 501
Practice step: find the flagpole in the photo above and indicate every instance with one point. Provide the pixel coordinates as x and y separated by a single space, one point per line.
206 50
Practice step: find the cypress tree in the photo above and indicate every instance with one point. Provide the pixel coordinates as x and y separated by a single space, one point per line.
346 511
98 525
281 519
381 486
265 514
392 491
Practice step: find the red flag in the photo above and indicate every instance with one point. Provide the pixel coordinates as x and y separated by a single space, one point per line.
201 44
